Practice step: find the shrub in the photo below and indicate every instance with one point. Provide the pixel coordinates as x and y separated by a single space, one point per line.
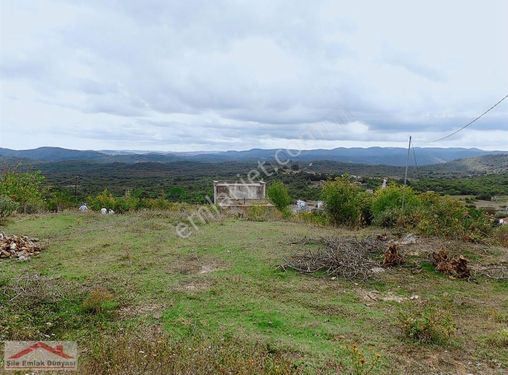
7 206
345 202
444 216
278 194
425 324
360 365
25 188
102 200
156 203
395 206
60 199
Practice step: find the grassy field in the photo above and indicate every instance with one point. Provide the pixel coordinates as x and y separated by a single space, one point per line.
217 301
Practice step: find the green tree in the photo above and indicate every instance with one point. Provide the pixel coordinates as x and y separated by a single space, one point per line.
395 205
345 202
278 194
25 188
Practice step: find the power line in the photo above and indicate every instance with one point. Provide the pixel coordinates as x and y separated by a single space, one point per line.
471 122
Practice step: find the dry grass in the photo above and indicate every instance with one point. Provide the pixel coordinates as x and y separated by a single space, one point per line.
153 352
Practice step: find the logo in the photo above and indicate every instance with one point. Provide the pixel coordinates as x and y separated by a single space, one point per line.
40 355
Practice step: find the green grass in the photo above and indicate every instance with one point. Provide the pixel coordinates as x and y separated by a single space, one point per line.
223 282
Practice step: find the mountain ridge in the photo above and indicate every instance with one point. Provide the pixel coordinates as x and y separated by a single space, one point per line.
391 156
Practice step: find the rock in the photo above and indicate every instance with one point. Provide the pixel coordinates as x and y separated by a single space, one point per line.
377 270
409 239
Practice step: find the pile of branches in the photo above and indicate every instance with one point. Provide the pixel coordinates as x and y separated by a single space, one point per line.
497 271
21 247
339 257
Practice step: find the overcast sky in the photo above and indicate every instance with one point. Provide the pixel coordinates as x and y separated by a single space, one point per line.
220 75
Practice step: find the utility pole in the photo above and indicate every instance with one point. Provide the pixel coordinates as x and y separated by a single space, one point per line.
407 161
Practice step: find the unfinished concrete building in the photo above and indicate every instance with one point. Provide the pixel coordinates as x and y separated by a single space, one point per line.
238 194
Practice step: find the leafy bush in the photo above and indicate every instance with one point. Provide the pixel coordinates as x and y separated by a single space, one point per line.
444 216
156 203
345 202
102 200
395 206
278 194
425 324
60 199
25 188
7 206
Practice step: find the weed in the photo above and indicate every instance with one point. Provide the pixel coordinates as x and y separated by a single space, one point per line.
99 301
501 235
499 339
426 324
360 365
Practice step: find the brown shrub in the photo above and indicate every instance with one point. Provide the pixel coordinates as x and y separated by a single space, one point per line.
456 266
392 256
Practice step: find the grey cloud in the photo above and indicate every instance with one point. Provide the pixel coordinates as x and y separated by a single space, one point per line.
212 73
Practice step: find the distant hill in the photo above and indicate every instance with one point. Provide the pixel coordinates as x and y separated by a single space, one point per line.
51 154
392 156
487 164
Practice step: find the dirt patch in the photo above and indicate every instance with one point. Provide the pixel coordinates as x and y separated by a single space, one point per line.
195 265
154 310
375 296
195 285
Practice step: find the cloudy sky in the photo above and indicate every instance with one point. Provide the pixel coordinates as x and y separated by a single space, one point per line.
219 75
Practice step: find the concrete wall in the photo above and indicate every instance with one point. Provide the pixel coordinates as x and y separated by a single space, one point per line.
238 193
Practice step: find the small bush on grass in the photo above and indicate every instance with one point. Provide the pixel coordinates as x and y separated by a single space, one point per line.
278 194
99 301
345 202
426 324
360 365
